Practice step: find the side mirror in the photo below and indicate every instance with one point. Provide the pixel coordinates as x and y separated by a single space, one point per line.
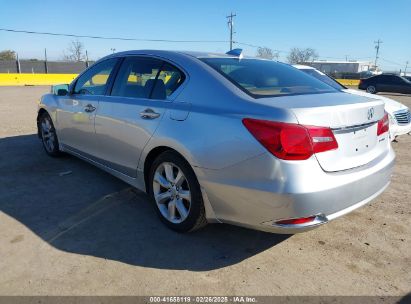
62 92
60 89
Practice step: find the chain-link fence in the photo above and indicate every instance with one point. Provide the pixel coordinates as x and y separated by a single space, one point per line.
43 67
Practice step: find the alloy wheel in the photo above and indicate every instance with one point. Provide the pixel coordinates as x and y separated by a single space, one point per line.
371 89
172 192
48 135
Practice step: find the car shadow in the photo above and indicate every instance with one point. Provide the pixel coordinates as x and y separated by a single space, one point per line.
78 208
390 94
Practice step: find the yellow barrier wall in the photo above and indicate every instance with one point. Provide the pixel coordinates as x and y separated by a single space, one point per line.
35 79
349 82
50 79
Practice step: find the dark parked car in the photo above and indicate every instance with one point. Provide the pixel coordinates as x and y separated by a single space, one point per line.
407 77
385 83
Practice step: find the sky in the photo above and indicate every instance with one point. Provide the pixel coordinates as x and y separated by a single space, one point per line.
335 29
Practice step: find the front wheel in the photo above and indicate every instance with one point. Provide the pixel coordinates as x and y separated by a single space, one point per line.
371 89
48 135
176 192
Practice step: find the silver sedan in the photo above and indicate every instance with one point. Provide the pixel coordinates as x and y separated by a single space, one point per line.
222 138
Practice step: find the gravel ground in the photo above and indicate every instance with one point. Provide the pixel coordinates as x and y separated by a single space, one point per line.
67 228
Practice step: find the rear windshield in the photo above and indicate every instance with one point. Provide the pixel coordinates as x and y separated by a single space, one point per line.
324 78
264 78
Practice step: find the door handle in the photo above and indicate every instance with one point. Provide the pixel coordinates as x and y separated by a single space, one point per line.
149 114
89 108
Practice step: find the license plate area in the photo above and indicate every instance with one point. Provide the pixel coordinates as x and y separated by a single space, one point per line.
357 141
362 140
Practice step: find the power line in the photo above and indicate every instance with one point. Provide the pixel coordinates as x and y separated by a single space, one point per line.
390 61
133 39
111 38
181 41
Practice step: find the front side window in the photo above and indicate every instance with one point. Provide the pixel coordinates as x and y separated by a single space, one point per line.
263 78
94 81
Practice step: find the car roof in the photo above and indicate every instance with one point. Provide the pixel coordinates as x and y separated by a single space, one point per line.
195 54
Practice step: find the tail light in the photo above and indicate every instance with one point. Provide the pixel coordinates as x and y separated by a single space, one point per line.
383 125
291 141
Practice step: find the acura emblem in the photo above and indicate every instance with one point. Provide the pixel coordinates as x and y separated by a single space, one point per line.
370 113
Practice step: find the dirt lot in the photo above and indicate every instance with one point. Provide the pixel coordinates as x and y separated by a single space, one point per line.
88 233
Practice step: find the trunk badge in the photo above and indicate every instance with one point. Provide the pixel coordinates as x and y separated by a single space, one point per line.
370 113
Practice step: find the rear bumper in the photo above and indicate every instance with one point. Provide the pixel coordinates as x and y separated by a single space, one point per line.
261 191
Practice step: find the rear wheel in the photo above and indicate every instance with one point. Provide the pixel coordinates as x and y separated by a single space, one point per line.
48 135
176 192
371 89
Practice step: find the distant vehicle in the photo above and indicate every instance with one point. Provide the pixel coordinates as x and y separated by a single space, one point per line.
223 138
399 114
385 83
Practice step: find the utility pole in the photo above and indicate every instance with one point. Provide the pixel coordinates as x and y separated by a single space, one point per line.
231 27
405 70
377 48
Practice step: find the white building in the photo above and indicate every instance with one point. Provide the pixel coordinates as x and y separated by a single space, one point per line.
329 67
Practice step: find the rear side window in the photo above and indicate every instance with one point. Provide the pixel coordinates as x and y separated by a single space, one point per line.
388 79
94 80
136 77
171 77
264 78
141 77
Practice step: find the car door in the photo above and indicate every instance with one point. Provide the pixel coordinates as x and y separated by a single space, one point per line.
76 113
127 117
384 83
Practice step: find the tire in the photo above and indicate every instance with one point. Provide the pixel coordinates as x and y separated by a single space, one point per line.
48 135
371 89
178 209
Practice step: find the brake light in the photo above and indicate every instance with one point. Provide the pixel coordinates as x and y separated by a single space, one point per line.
291 141
383 125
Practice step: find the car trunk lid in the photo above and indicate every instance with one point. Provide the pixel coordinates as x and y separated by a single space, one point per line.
353 120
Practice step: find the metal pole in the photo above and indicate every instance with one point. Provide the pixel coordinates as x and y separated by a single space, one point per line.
405 70
377 48
18 63
86 59
231 26
45 61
